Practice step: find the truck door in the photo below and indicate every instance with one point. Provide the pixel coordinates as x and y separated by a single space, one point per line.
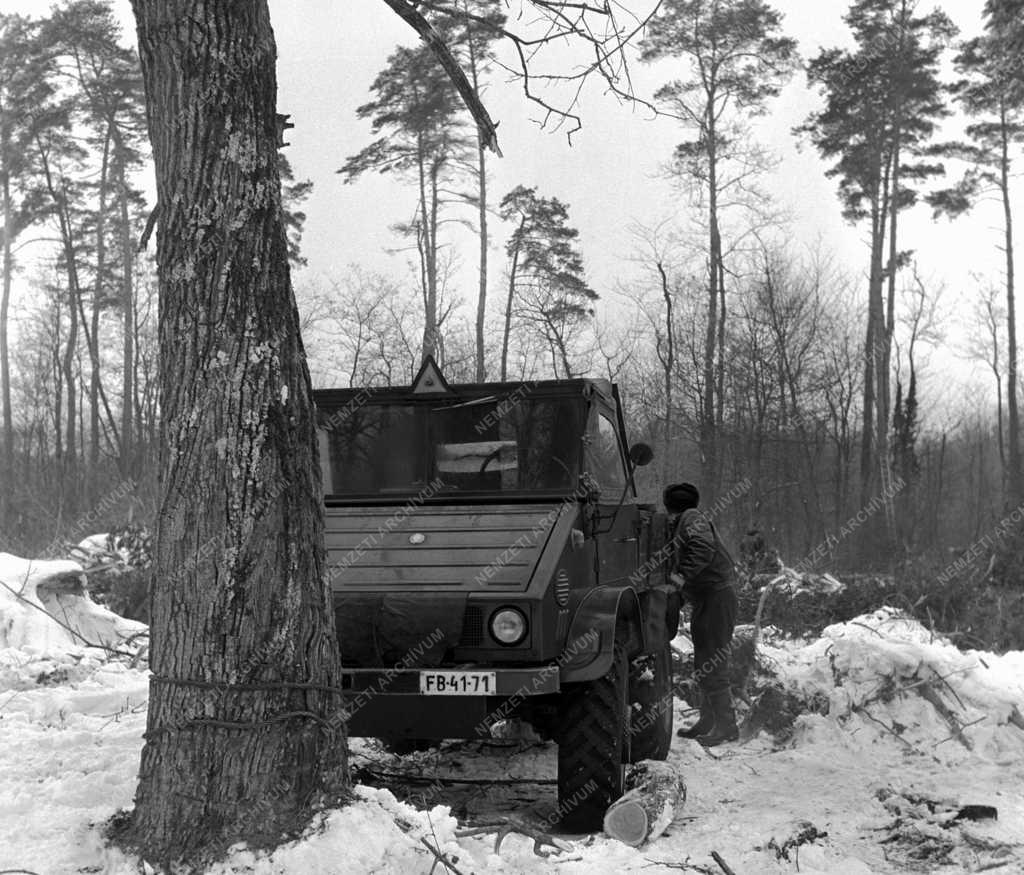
615 528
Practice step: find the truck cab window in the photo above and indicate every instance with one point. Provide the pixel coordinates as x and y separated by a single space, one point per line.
604 455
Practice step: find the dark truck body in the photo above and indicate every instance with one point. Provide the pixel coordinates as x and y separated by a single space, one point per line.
519 496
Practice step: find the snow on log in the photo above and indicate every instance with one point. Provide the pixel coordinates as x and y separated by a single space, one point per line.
44 604
657 796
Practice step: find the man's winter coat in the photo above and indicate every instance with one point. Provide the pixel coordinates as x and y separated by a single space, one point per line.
701 557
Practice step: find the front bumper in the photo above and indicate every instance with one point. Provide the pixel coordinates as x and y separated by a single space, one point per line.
388 703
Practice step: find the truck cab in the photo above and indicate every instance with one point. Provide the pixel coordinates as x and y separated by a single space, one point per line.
489 561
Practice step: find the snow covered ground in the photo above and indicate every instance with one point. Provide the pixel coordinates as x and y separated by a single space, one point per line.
883 773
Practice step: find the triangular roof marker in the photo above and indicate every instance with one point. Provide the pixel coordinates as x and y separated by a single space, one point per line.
429 380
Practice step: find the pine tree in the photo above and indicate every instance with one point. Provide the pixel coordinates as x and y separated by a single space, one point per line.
105 83
25 93
546 284
733 60
473 45
293 193
991 92
418 110
883 101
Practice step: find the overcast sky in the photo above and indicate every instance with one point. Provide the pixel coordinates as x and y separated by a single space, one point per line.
331 50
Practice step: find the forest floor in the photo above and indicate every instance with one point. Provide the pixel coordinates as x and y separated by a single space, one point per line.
880 737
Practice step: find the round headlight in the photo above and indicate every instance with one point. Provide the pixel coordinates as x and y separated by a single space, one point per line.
508 626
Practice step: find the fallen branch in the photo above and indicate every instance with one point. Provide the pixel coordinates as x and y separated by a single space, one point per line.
685 866
888 729
725 866
931 695
981 719
941 677
866 626
506 827
440 858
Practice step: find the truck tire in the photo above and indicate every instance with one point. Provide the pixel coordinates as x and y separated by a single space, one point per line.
651 708
593 744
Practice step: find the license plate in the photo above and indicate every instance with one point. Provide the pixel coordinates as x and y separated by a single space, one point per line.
458 683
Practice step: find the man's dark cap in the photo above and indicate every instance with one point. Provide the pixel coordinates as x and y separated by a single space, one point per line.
680 496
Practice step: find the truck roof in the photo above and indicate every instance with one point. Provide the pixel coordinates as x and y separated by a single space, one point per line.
431 383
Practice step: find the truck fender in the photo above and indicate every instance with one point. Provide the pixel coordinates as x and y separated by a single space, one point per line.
590 644
660 607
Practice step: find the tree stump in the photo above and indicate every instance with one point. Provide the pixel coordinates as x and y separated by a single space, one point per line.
657 794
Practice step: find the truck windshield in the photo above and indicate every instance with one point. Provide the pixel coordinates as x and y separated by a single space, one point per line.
494 444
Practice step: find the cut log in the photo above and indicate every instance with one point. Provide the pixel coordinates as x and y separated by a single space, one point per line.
657 795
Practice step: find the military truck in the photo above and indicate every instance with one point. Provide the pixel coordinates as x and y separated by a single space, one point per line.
490 563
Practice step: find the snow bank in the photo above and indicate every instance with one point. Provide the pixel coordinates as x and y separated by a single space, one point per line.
37 593
885 674
71 746
71 724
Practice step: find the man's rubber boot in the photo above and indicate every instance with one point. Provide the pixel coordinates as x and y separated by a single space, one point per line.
705 723
725 728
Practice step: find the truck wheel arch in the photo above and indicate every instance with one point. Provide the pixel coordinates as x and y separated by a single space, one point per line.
602 611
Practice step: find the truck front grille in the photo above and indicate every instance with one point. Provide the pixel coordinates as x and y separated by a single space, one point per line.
472 627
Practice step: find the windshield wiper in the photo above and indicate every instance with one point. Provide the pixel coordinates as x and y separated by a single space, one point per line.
471 403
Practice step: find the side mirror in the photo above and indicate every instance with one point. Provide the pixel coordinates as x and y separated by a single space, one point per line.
640 454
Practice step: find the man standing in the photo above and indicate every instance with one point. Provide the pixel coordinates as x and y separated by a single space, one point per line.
706 571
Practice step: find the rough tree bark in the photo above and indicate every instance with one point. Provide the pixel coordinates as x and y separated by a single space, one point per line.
244 733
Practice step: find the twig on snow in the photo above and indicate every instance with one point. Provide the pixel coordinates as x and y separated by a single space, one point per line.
866 626
439 857
959 736
685 866
505 827
888 729
717 857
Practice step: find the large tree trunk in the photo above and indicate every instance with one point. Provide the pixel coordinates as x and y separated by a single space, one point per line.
244 732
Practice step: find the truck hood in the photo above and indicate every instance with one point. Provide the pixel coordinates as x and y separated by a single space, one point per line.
439 548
